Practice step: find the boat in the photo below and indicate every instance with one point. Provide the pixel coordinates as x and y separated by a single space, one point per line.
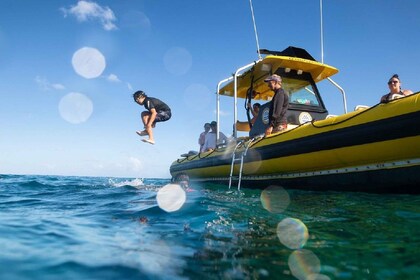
370 149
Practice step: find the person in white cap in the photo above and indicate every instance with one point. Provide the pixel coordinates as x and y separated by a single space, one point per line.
278 106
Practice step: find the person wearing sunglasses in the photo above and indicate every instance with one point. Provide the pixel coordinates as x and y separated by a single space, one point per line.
395 91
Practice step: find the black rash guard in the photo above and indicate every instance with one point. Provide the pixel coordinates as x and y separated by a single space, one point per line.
278 108
158 105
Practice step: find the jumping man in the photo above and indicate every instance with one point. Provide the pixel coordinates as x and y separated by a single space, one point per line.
157 111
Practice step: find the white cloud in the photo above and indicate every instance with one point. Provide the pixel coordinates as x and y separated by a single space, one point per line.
223 113
44 84
135 164
113 78
129 86
58 86
87 10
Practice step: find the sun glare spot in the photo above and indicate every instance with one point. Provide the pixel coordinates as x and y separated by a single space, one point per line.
75 108
304 263
197 97
177 61
254 157
136 20
171 197
275 199
292 233
316 276
88 62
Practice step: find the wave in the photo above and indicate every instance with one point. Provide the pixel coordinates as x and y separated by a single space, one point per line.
136 183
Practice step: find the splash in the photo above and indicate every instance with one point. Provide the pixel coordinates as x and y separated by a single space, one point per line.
132 183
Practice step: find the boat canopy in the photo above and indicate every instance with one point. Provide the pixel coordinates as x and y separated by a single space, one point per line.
276 63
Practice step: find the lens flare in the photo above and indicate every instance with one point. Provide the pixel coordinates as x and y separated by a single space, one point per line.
171 197
177 61
292 233
275 199
75 108
303 263
197 94
254 157
317 276
88 62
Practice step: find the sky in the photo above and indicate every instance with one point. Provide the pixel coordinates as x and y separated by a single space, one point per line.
68 70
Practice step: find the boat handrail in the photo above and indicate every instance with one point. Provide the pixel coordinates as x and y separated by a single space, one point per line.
235 93
343 93
218 104
235 96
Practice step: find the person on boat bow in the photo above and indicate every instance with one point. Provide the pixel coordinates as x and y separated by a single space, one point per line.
278 107
157 111
395 91
202 137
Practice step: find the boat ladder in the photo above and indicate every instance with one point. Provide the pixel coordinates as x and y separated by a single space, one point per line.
241 160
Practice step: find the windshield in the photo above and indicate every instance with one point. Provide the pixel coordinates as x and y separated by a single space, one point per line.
300 92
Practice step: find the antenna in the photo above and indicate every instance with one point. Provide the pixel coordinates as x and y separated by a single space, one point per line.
255 30
322 32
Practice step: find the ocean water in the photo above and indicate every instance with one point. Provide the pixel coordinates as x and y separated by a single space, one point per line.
54 227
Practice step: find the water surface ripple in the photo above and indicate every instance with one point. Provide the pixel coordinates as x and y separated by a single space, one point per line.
56 227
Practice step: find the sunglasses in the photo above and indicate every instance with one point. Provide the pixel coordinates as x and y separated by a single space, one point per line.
392 82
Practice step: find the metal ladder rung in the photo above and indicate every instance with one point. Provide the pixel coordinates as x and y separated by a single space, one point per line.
241 159
234 159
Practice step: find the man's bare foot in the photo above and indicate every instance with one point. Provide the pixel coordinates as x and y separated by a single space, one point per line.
148 141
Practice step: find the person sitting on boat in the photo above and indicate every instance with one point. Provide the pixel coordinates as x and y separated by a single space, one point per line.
244 126
210 141
254 111
394 85
278 106
157 111
202 137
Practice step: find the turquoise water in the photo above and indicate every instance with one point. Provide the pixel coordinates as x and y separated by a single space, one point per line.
54 227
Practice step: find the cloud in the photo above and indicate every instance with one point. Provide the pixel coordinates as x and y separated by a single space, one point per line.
113 78
58 86
44 84
134 164
222 113
87 10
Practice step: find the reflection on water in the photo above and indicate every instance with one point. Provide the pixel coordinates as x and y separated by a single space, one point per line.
317 235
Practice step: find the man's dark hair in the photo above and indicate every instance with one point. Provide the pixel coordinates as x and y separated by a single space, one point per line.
138 94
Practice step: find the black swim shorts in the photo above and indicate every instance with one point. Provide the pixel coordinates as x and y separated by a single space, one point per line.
163 116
